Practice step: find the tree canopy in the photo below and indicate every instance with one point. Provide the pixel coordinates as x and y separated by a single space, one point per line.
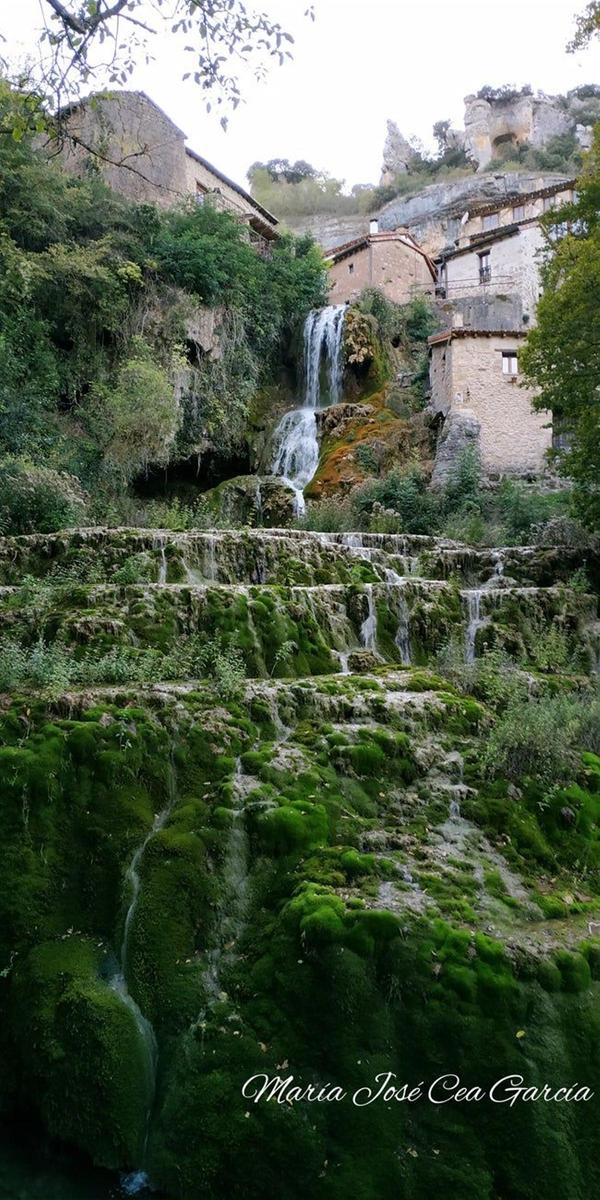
100 371
587 26
91 42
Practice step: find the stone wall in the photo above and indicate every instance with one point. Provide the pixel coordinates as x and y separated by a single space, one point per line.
142 155
467 377
136 148
200 180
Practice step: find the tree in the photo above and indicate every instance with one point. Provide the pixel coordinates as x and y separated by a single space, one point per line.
440 133
89 40
587 26
562 355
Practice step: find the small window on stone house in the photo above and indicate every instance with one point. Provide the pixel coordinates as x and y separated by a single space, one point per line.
510 364
490 221
350 268
201 192
485 266
549 203
518 212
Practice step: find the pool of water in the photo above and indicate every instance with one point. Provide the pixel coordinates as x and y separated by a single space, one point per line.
31 1170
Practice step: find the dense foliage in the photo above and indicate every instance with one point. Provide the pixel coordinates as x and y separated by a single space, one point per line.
101 370
562 356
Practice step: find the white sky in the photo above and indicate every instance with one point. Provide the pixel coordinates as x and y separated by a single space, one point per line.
360 62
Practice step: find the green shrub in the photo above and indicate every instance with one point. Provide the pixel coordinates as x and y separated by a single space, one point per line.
38 499
540 738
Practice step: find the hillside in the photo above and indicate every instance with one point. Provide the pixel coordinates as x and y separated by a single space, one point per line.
299 741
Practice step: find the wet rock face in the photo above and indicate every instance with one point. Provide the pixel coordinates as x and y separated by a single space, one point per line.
252 500
234 756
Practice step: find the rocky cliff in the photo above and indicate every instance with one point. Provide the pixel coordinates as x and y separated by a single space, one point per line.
495 121
432 214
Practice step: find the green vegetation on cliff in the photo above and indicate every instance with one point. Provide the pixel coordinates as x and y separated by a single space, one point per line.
104 364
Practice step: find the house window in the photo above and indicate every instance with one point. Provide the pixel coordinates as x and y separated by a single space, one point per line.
549 203
490 221
509 362
485 266
351 268
201 193
518 212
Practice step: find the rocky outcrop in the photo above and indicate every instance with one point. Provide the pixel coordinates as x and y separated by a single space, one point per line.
495 122
460 433
252 500
397 154
433 214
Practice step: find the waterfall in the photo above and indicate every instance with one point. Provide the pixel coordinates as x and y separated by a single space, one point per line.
368 629
296 446
474 622
402 638
138 1180
159 544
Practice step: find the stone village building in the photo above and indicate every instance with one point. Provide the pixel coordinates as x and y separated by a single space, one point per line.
488 290
476 392
391 261
142 154
496 254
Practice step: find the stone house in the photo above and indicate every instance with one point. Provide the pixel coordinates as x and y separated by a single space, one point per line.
497 252
143 155
476 391
391 261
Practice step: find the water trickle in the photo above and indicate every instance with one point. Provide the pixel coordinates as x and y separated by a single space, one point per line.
368 629
454 810
402 638
162 570
231 913
133 1184
408 877
498 561
296 453
474 622
138 1180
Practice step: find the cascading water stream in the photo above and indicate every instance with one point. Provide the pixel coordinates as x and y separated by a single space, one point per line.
138 1180
231 914
368 629
474 622
402 638
296 455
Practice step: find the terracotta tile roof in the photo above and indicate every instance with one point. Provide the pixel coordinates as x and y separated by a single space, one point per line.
463 331
516 198
483 239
